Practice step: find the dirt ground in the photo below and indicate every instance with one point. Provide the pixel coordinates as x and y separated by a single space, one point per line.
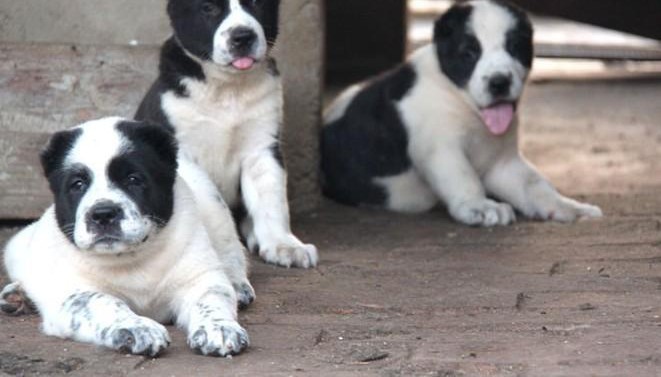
423 296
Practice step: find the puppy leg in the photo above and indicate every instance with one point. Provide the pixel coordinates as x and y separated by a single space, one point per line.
207 312
14 301
264 189
453 178
104 320
519 183
220 226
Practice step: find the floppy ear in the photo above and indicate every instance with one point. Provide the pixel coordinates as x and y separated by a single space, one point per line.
455 18
271 14
57 148
156 137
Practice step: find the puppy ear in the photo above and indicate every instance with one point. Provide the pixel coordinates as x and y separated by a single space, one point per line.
156 137
57 149
271 14
452 20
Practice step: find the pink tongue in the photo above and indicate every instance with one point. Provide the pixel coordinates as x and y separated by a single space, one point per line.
243 63
498 118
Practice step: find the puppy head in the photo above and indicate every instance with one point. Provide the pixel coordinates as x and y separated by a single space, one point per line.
486 48
234 34
113 183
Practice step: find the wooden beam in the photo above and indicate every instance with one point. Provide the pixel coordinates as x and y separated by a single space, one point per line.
640 17
46 88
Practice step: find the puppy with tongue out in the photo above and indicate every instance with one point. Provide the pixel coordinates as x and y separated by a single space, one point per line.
442 127
220 92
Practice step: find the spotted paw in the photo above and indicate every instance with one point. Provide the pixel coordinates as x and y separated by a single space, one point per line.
143 337
14 301
219 338
245 294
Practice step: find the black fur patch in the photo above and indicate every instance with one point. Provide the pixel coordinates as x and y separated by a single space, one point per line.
369 141
272 67
147 171
174 66
457 47
276 151
520 39
58 148
67 183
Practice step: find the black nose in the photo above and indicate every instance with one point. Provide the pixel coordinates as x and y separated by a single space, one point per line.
499 85
105 214
242 38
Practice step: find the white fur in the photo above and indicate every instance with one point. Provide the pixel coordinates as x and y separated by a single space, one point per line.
228 125
193 270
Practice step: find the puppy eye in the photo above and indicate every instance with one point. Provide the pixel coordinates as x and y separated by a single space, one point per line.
210 9
469 54
78 184
134 180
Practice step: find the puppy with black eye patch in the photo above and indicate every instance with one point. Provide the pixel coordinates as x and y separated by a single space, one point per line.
443 127
128 245
220 92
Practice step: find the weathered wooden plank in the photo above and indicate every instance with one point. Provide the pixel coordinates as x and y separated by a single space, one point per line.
45 88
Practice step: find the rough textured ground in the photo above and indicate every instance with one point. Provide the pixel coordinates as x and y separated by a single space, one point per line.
422 296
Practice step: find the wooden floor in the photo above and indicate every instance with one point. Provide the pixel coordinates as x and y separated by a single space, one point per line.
423 296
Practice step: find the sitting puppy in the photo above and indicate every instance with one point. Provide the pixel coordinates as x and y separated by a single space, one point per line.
129 244
443 126
221 94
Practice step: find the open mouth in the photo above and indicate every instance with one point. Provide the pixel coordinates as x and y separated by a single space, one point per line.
498 117
244 63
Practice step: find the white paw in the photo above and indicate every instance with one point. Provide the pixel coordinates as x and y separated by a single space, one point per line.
483 212
245 294
289 253
140 336
219 338
568 210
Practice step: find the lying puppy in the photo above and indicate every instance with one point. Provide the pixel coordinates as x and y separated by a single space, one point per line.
129 244
220 92
443 126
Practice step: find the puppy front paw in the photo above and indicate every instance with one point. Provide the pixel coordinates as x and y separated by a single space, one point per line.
290 253
245 294
14 301
141 337
483 212
568 210
219 338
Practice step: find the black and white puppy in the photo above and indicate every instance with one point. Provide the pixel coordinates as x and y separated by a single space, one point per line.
443 126
220 92
129 244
